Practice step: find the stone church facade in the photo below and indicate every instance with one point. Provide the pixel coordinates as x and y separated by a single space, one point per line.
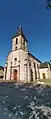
21 65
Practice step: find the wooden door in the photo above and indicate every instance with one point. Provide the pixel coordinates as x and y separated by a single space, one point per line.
15 75
44 77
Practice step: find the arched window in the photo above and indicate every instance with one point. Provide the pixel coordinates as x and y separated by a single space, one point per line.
37 66
31 75
15 48
16 40
24 43
15 59
35 71
25 72
34 65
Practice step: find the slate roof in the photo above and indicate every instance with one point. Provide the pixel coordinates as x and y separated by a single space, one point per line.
20 32
34 57
45 64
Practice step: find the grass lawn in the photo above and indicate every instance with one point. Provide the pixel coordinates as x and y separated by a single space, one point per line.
46 82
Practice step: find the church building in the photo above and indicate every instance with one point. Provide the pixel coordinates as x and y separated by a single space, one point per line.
21 65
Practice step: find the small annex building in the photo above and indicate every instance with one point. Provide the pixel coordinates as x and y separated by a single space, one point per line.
45 70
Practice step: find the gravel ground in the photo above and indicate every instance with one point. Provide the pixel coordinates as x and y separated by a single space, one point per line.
19 101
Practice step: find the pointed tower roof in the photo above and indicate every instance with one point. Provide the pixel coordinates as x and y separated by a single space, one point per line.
20 32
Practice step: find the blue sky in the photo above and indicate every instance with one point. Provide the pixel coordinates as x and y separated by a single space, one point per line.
36 22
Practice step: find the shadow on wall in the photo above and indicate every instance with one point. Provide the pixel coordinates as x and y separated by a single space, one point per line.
32 75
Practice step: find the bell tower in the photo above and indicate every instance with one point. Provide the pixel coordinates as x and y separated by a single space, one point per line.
19 41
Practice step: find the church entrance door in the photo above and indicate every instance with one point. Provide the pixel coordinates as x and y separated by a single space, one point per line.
15 75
